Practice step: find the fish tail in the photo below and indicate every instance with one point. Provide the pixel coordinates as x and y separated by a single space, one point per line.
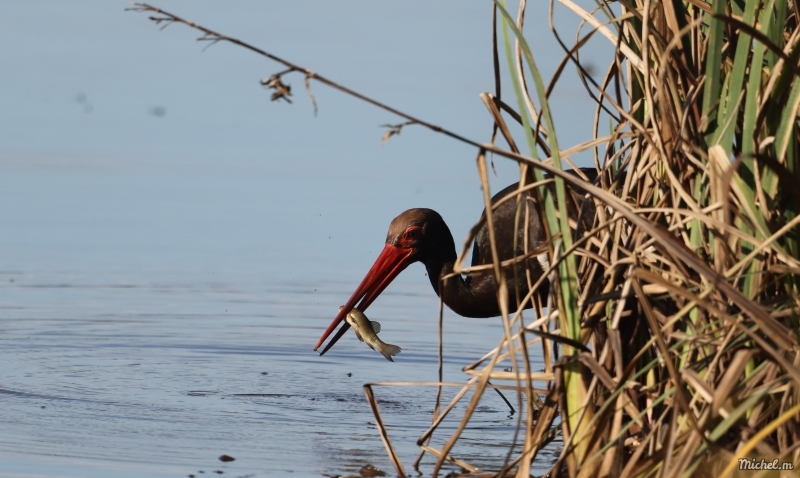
389 350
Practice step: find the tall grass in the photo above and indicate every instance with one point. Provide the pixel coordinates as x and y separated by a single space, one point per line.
670 327
684 296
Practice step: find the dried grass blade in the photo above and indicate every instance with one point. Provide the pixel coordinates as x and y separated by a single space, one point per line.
625 49
373 404
610 384
776 330
455 461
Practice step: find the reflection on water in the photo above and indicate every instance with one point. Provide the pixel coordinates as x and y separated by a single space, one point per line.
152 378
143 332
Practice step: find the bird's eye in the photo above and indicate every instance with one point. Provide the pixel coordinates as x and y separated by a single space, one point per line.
412 234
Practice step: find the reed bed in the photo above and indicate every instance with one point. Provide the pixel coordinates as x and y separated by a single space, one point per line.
669 328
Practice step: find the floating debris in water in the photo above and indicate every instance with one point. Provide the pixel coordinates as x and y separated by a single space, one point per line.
369 470
226 458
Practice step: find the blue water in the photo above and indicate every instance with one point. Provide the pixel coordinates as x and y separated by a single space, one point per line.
173 243
153 322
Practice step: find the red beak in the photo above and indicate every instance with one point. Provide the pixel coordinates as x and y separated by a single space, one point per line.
387 266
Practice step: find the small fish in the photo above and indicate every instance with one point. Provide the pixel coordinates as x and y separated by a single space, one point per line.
367 331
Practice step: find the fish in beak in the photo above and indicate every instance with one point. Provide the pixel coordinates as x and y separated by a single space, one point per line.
391 261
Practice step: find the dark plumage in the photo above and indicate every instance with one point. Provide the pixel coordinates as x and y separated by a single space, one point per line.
421 235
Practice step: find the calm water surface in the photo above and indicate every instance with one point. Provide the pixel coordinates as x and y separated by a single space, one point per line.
130 355
115 374
164 277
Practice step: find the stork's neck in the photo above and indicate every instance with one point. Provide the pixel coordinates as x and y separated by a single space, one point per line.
474 298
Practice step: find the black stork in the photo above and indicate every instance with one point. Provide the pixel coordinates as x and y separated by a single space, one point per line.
421 235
